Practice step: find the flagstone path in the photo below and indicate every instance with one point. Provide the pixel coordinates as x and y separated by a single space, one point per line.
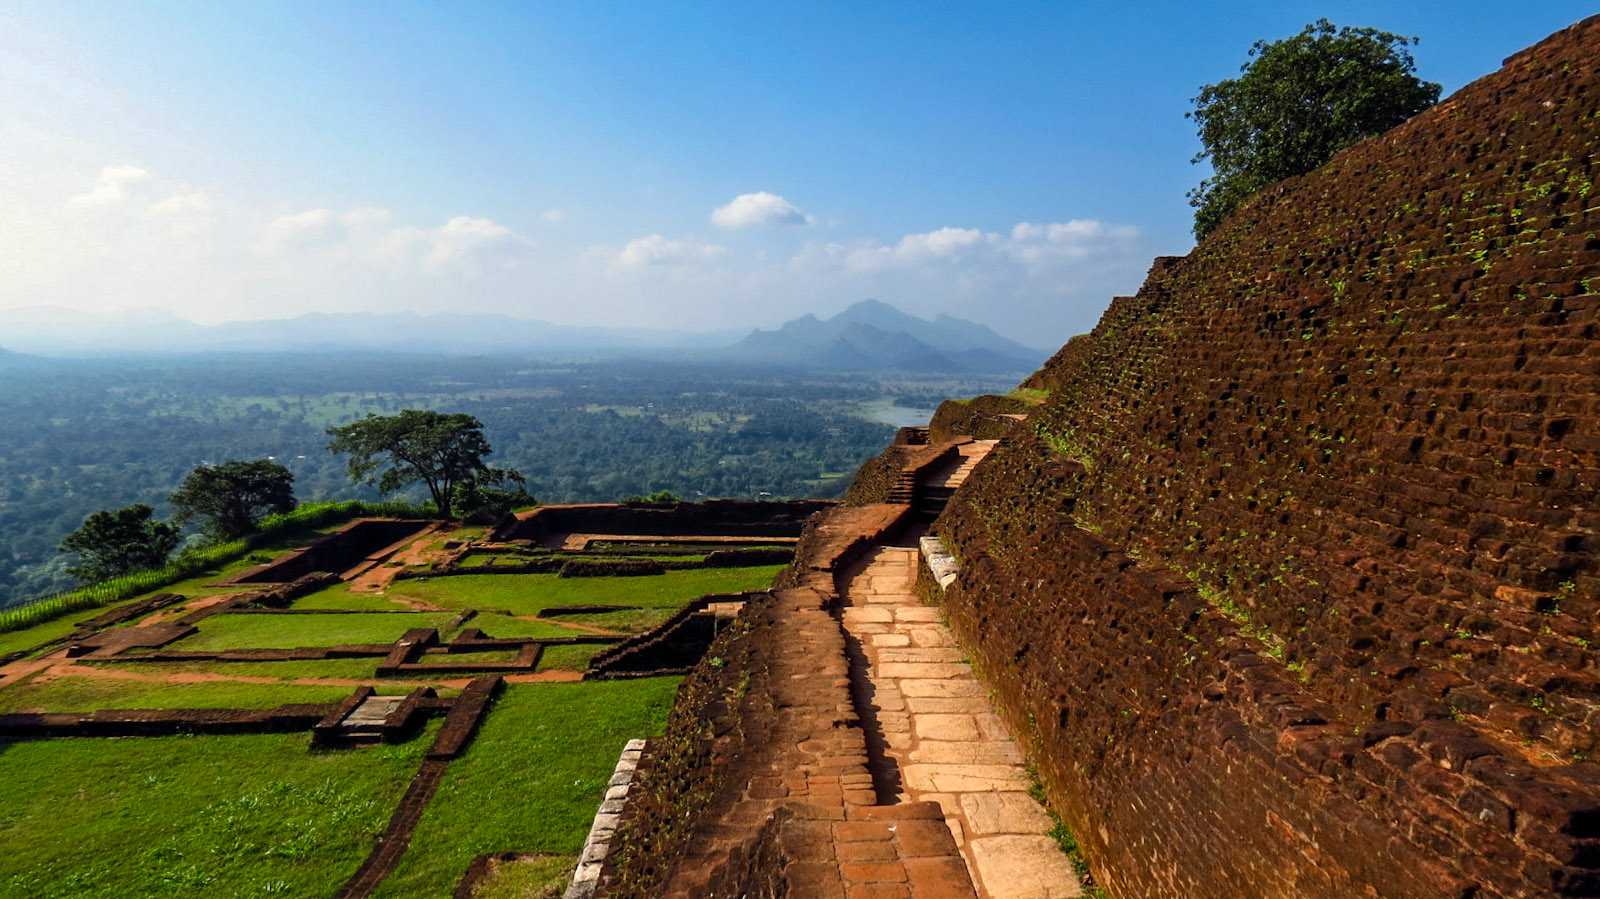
943 737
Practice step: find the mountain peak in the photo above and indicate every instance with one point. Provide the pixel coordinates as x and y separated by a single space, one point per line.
872 334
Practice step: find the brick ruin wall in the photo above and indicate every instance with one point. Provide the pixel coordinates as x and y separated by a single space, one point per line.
714 517
1293 583
982 417
334 552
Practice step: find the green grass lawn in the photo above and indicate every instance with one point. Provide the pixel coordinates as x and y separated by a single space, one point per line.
526 594
567 658
287 631
338 596
199 816
494 624
531 780
343 669
13 641
628 621
523 878
86 694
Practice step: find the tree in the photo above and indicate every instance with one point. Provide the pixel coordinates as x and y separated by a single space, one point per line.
1299 101
231 498
444 452
113 543
492 495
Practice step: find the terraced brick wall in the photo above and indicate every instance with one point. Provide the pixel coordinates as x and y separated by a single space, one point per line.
1295 580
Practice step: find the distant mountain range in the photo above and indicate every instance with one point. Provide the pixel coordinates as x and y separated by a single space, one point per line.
867 336
875 336
8 358
53 331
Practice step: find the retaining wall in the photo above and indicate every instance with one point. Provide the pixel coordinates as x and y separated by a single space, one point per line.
732 518
339 551
1296 581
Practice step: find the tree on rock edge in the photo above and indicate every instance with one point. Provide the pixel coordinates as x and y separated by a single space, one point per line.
231 498
1299 101
442 451
111 543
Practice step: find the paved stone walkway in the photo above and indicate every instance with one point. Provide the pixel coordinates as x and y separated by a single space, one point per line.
970 455
949 745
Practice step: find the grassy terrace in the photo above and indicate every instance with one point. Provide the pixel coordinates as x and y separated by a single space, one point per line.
338 596
575 731
13 641
494 624
88 693
264 815
527 594
225 631
158 817
342 669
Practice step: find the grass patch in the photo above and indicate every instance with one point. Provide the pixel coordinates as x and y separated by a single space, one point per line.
494 624
160 817
629 621
1066 840
526 594
343 669
493 799
567 658
339 597
225 631
14 641
86 694
533 877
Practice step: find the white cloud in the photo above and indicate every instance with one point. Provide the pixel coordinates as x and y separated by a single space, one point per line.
210 255
1054 276
111 188
656 250
554 216
1029 244
758 210
192 203
916 249
319 228
464 242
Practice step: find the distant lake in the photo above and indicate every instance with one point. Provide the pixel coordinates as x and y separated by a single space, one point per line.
899 416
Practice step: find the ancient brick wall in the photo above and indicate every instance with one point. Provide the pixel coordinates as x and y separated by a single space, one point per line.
1296 580
334 552
716 517
878 474
982 417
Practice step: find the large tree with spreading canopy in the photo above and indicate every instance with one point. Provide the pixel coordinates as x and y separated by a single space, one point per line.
442 451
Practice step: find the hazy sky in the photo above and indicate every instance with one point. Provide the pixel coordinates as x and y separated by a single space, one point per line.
656 164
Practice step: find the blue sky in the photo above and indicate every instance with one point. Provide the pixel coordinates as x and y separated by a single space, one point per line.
663 165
